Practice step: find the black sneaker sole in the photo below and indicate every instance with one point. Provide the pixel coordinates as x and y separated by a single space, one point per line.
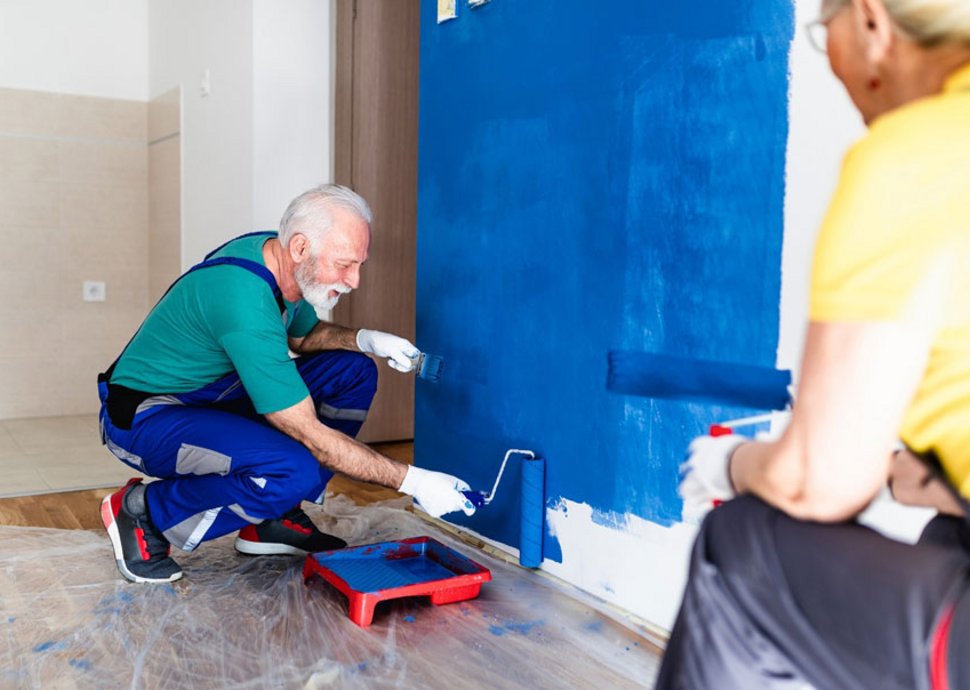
111 526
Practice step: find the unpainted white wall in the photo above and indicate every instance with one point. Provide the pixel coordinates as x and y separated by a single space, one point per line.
90 48
187 39
262 132
293 68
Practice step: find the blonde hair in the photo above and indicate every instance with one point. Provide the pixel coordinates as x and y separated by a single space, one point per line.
931 22
928 22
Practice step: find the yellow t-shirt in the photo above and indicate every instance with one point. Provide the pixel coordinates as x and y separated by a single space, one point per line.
900 220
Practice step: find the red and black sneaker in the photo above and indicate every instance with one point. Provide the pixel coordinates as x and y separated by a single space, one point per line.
293 534
142 553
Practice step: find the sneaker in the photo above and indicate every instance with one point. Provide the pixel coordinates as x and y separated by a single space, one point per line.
293 534
142 553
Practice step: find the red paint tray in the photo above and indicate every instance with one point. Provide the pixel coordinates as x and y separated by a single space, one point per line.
419 566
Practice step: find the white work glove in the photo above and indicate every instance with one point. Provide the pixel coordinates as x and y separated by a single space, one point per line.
399 352
436 492
704 475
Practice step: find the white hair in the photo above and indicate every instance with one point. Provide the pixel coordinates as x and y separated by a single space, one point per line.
310 213
932 22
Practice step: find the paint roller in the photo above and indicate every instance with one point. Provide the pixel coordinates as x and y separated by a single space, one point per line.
533 504
653 375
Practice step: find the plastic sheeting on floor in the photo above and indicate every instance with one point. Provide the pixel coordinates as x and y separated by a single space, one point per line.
68 620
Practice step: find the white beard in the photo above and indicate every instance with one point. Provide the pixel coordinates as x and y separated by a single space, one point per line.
318 294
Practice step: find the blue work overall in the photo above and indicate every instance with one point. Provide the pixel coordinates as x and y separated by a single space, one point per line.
220 465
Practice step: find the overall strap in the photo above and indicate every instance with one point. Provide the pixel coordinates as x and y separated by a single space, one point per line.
251 266
247 264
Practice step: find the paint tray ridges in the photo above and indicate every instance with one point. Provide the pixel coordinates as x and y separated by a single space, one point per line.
373 575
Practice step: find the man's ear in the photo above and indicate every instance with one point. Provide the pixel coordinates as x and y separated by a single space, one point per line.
299 248
877 29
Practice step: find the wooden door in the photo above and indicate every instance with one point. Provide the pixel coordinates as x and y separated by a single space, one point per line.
376 154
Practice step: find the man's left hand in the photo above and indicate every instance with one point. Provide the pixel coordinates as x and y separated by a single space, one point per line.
704 475
399 352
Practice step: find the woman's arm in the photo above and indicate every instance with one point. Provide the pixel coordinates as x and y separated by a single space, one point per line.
857 380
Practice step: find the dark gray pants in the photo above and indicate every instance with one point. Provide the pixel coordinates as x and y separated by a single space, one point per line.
773 602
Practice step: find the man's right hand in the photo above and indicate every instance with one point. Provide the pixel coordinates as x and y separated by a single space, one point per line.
399 352
436 493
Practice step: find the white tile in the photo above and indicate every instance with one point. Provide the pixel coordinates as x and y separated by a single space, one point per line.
8 446
19 479
72 433
65 471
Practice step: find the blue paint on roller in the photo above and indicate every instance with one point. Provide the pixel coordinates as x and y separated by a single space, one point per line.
533 518
677 378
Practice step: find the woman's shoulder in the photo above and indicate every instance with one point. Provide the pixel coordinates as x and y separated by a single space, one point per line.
937 125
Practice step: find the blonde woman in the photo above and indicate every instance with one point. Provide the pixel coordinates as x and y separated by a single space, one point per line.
785 589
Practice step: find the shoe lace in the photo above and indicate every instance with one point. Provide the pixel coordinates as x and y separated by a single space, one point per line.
155 543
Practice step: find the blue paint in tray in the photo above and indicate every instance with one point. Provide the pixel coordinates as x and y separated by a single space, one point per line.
392 564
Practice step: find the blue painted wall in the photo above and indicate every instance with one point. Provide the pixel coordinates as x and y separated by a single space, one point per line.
593 176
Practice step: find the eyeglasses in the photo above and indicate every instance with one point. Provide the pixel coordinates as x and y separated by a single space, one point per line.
818 30
818 35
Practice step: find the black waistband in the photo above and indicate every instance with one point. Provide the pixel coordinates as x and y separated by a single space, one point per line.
122 402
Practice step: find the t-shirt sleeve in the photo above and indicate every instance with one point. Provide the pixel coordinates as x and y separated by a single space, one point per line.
250 330
879 241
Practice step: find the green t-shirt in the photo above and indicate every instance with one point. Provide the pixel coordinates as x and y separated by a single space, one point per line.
214 321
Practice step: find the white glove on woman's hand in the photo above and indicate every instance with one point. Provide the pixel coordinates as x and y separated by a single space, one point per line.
399 352
436 493
704 475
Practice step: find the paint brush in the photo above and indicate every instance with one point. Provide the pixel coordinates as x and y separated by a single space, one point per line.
653 375
428 367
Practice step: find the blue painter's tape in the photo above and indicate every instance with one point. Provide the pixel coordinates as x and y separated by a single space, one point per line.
678 378
533 512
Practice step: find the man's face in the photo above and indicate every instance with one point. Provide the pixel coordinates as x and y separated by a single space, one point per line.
335 270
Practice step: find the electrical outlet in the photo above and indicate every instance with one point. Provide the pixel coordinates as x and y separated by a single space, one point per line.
94 291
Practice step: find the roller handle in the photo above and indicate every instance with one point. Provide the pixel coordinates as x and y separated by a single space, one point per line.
476 498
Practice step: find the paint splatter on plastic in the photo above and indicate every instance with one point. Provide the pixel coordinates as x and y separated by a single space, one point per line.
512 626
50 646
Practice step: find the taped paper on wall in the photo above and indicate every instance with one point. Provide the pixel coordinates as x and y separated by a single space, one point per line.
447 9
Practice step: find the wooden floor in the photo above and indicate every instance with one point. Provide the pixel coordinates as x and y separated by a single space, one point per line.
79 509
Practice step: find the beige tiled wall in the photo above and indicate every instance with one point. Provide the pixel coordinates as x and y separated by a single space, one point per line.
164 205
73 207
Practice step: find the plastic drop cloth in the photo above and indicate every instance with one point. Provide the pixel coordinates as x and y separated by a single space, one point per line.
68 620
